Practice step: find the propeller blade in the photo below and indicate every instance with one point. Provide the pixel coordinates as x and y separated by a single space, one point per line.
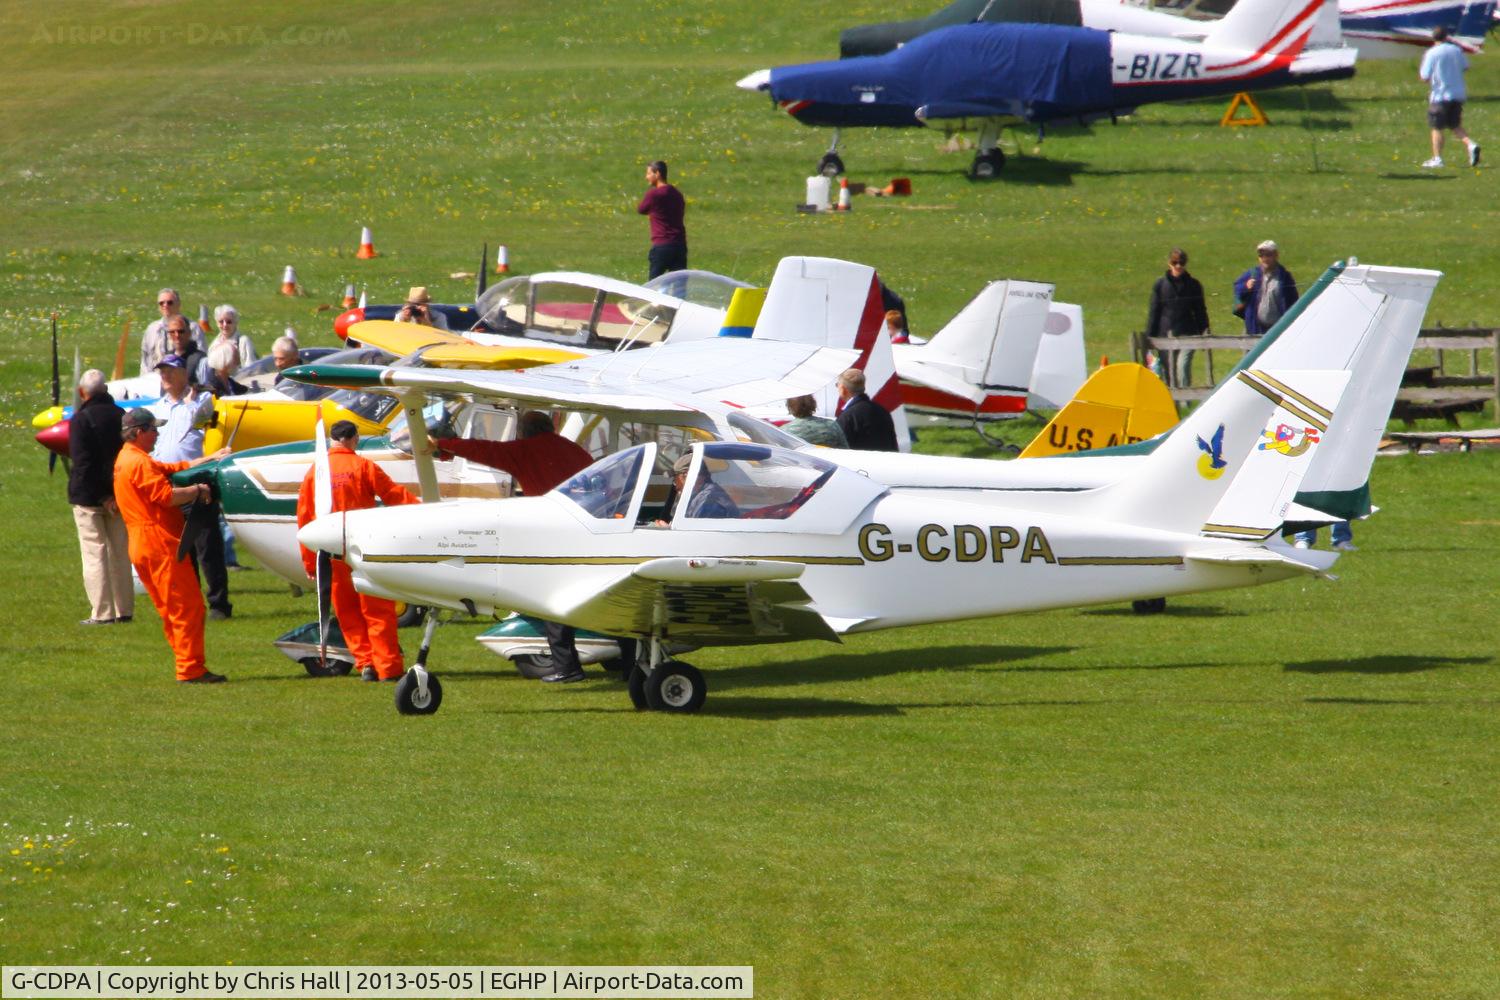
325 605
483 281
119 371
56 378
322 477
51 462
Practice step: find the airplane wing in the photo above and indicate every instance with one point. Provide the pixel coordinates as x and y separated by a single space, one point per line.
665 379
705 600
440 347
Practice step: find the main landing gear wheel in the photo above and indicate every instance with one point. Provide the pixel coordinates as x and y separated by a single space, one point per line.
830 165
1150 606
408 615
987 165
533 666
675 687
636 685
410 699
333 668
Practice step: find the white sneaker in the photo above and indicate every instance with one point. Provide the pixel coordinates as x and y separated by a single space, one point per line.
1346 547
1473 154
1300 543
1436 161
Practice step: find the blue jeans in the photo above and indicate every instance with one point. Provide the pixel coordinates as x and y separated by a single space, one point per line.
1342 532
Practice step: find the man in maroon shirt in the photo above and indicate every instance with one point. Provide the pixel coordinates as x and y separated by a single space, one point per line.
538 460
664 204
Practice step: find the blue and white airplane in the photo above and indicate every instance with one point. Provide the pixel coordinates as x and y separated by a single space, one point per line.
1394 29
990 76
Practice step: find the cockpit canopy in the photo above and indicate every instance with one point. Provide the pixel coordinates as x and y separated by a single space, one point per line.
729 487
599 313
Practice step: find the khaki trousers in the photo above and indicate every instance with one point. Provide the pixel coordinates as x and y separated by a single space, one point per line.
105 548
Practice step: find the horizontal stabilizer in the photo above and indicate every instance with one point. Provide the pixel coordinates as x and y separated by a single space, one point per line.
1311 562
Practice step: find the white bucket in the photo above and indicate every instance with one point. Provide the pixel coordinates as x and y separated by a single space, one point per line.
817 191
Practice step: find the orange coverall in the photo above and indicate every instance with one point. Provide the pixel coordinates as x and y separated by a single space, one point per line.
368 623
154 524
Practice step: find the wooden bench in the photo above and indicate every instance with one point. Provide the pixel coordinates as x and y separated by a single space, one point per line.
1427 390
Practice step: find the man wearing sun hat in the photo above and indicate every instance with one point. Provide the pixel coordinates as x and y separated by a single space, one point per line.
1265 292
151 507
418 309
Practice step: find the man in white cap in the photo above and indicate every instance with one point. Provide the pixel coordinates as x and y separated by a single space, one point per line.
1443 68
1265 292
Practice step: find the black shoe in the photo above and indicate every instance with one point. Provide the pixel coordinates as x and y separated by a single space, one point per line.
207 677
124 619
97 621
564 677
217 614
368 674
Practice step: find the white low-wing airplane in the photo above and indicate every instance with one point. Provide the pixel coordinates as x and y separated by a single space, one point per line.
770 545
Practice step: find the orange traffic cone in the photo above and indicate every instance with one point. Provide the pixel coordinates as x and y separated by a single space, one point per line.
366 245
203 320
502 260
843 194
362 299
348 295
289 284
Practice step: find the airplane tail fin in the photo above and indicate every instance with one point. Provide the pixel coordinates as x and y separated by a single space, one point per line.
1060 368
993 341
1233 466
1266 27
1474 24
1363 319
1119 404
744 309
836 303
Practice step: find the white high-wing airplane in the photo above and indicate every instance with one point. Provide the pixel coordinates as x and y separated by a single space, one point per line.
772 545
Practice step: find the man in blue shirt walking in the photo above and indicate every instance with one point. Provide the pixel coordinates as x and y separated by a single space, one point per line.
1443 67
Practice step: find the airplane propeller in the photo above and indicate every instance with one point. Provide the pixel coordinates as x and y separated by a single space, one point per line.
483 281
322 506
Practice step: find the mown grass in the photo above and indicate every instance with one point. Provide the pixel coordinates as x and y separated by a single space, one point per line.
1276 792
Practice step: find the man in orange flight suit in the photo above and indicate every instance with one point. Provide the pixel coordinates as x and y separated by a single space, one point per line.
368 623
150 505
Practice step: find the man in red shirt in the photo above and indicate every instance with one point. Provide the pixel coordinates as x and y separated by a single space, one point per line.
538 460
368 623
151 508
666 207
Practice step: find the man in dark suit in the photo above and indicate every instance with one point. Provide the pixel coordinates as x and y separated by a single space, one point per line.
94 441
866 424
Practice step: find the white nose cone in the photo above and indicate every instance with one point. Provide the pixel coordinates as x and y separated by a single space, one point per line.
759 80
324 534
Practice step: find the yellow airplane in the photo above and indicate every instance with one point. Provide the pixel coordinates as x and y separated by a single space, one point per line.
1119 404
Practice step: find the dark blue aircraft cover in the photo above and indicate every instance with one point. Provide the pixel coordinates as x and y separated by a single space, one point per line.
967 70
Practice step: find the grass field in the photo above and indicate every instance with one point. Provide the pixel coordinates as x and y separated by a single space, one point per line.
1284 792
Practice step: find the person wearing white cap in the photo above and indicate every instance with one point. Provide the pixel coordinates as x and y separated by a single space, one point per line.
1265 292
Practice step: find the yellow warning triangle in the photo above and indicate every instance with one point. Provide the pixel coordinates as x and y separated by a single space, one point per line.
1257 116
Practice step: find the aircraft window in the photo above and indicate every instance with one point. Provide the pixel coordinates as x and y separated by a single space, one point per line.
761 432
606 488
372 406
753 483
702 287
502 307
562 308
626 319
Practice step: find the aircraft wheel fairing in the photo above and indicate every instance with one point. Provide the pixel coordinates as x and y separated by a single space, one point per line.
637 688
1150 606
675 687
409 700
830 165
987 165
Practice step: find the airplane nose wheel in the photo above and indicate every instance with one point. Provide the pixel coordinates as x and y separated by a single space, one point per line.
418 692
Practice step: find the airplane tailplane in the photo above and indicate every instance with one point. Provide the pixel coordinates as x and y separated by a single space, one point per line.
1270 25
836 303
1474 24
1232 467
